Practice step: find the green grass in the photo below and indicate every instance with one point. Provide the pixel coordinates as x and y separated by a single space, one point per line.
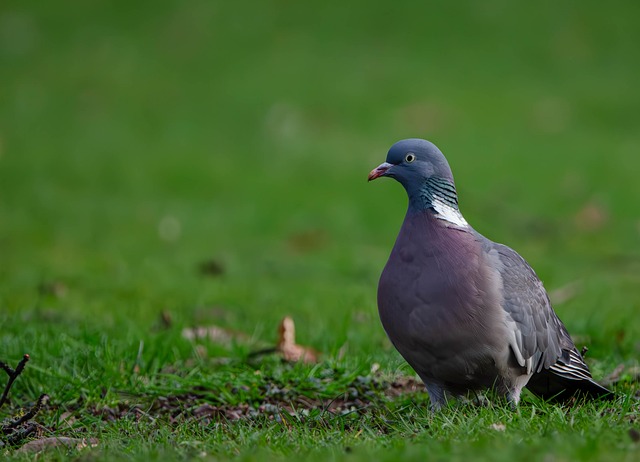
137 142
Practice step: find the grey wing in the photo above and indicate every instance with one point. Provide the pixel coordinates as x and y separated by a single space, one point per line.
538 340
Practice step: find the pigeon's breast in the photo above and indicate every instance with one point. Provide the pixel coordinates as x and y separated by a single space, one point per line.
431 267
434 298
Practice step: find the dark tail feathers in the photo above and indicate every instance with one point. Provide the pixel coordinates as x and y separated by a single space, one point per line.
552 387
567 378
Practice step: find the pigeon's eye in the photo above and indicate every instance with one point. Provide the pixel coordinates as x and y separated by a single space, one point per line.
410 157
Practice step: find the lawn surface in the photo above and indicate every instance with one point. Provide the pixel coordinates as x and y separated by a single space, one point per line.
172 165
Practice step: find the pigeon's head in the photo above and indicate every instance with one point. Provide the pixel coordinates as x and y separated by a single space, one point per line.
412 162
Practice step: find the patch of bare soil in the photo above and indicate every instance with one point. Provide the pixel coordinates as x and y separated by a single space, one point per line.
275 402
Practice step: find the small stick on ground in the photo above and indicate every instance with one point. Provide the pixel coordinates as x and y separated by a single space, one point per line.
13 375
42 400
13 432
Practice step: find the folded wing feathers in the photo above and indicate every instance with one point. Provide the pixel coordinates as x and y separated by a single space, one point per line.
537 338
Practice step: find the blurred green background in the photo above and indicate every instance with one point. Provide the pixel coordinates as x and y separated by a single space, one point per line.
140 139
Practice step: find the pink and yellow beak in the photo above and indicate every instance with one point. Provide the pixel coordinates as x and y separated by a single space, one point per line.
379 171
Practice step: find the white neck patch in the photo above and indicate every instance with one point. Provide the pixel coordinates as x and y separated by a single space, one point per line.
447 213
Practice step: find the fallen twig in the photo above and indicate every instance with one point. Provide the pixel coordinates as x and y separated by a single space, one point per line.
11 426
13 432
13 375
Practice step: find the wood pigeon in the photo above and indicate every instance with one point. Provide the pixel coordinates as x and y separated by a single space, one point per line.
467 313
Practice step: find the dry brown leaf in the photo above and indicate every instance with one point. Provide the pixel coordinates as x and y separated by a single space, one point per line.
287 346
41 444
